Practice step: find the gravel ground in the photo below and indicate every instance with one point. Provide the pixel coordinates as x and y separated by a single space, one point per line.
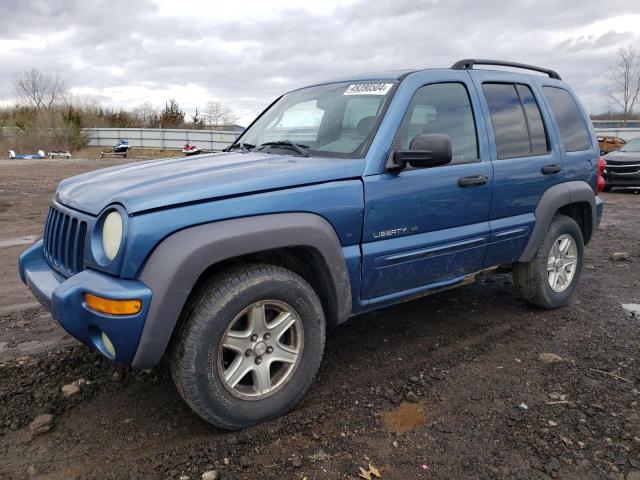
468 383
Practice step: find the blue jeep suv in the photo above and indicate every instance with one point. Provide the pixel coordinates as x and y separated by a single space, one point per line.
340 198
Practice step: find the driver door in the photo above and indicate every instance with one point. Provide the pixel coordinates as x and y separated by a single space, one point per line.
430 226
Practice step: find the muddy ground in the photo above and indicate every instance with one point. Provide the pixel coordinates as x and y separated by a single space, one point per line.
450 386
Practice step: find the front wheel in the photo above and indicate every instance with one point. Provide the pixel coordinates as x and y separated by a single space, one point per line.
551 277
249 346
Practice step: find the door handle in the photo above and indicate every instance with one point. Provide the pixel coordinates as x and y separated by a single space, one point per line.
472 181
551 169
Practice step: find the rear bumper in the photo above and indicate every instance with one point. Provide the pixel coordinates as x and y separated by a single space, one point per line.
64 298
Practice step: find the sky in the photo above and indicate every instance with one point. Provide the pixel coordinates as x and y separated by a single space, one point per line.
246 53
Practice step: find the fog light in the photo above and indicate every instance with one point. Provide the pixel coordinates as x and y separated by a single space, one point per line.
112 307
108 346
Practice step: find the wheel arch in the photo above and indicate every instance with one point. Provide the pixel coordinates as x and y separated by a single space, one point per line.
306 261
574 199
302 242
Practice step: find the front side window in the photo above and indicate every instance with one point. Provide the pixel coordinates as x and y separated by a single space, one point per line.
335 120
441 108
573 130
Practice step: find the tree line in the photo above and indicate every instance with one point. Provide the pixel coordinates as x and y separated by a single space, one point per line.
45 115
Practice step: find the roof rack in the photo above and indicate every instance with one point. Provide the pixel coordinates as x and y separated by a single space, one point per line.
467 64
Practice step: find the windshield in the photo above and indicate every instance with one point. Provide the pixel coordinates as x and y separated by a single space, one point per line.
632 146
335 120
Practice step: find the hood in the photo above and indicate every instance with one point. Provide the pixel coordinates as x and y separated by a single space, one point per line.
161 183
623 157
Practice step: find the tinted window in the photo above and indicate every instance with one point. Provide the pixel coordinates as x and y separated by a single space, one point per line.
537 133
573 131
442 108
507 118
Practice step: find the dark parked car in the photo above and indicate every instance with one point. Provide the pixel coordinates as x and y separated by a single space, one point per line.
623 167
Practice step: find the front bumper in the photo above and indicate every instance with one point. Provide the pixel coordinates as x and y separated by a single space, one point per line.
64 298
621 179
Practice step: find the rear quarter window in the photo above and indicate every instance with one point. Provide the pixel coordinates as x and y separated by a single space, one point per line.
573 130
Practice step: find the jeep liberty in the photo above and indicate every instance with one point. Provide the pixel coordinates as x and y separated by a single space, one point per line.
340 198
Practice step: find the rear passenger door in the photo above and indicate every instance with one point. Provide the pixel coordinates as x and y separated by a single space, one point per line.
525 156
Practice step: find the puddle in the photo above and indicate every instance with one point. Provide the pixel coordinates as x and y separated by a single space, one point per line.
404 417
12 242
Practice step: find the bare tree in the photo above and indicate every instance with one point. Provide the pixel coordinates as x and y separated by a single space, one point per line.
218 114
197 122
625 81
147 115
37 90
212 112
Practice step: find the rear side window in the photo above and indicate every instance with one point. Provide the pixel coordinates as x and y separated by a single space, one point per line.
517 124
573 130
537 133
442 108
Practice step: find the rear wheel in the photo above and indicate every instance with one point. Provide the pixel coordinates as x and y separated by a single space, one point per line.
250 343
607 188
551 277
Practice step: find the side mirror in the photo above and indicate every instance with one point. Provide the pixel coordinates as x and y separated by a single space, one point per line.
424 151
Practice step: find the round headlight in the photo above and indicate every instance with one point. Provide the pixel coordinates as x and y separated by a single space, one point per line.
112 234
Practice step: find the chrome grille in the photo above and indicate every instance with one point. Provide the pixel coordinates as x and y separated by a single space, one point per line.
63 239
624 168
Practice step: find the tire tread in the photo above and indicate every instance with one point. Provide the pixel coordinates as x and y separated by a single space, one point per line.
217 291
528 280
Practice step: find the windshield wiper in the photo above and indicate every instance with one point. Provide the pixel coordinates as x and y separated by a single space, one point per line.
244 147
301 149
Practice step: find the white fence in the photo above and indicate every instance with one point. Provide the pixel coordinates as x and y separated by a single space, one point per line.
174 139
624 133
161 138
613 123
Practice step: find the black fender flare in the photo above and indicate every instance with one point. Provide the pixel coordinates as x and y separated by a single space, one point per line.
551 201
177 263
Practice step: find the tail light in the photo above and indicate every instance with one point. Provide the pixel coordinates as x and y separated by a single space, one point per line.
600 183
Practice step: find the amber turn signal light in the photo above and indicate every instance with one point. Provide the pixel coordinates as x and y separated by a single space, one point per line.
112 307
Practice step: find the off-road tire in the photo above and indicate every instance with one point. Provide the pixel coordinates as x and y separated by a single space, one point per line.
531 279
208 313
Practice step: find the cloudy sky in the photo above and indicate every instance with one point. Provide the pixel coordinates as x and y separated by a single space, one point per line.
245 53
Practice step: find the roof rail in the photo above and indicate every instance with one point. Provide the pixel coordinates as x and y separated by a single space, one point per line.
468 64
